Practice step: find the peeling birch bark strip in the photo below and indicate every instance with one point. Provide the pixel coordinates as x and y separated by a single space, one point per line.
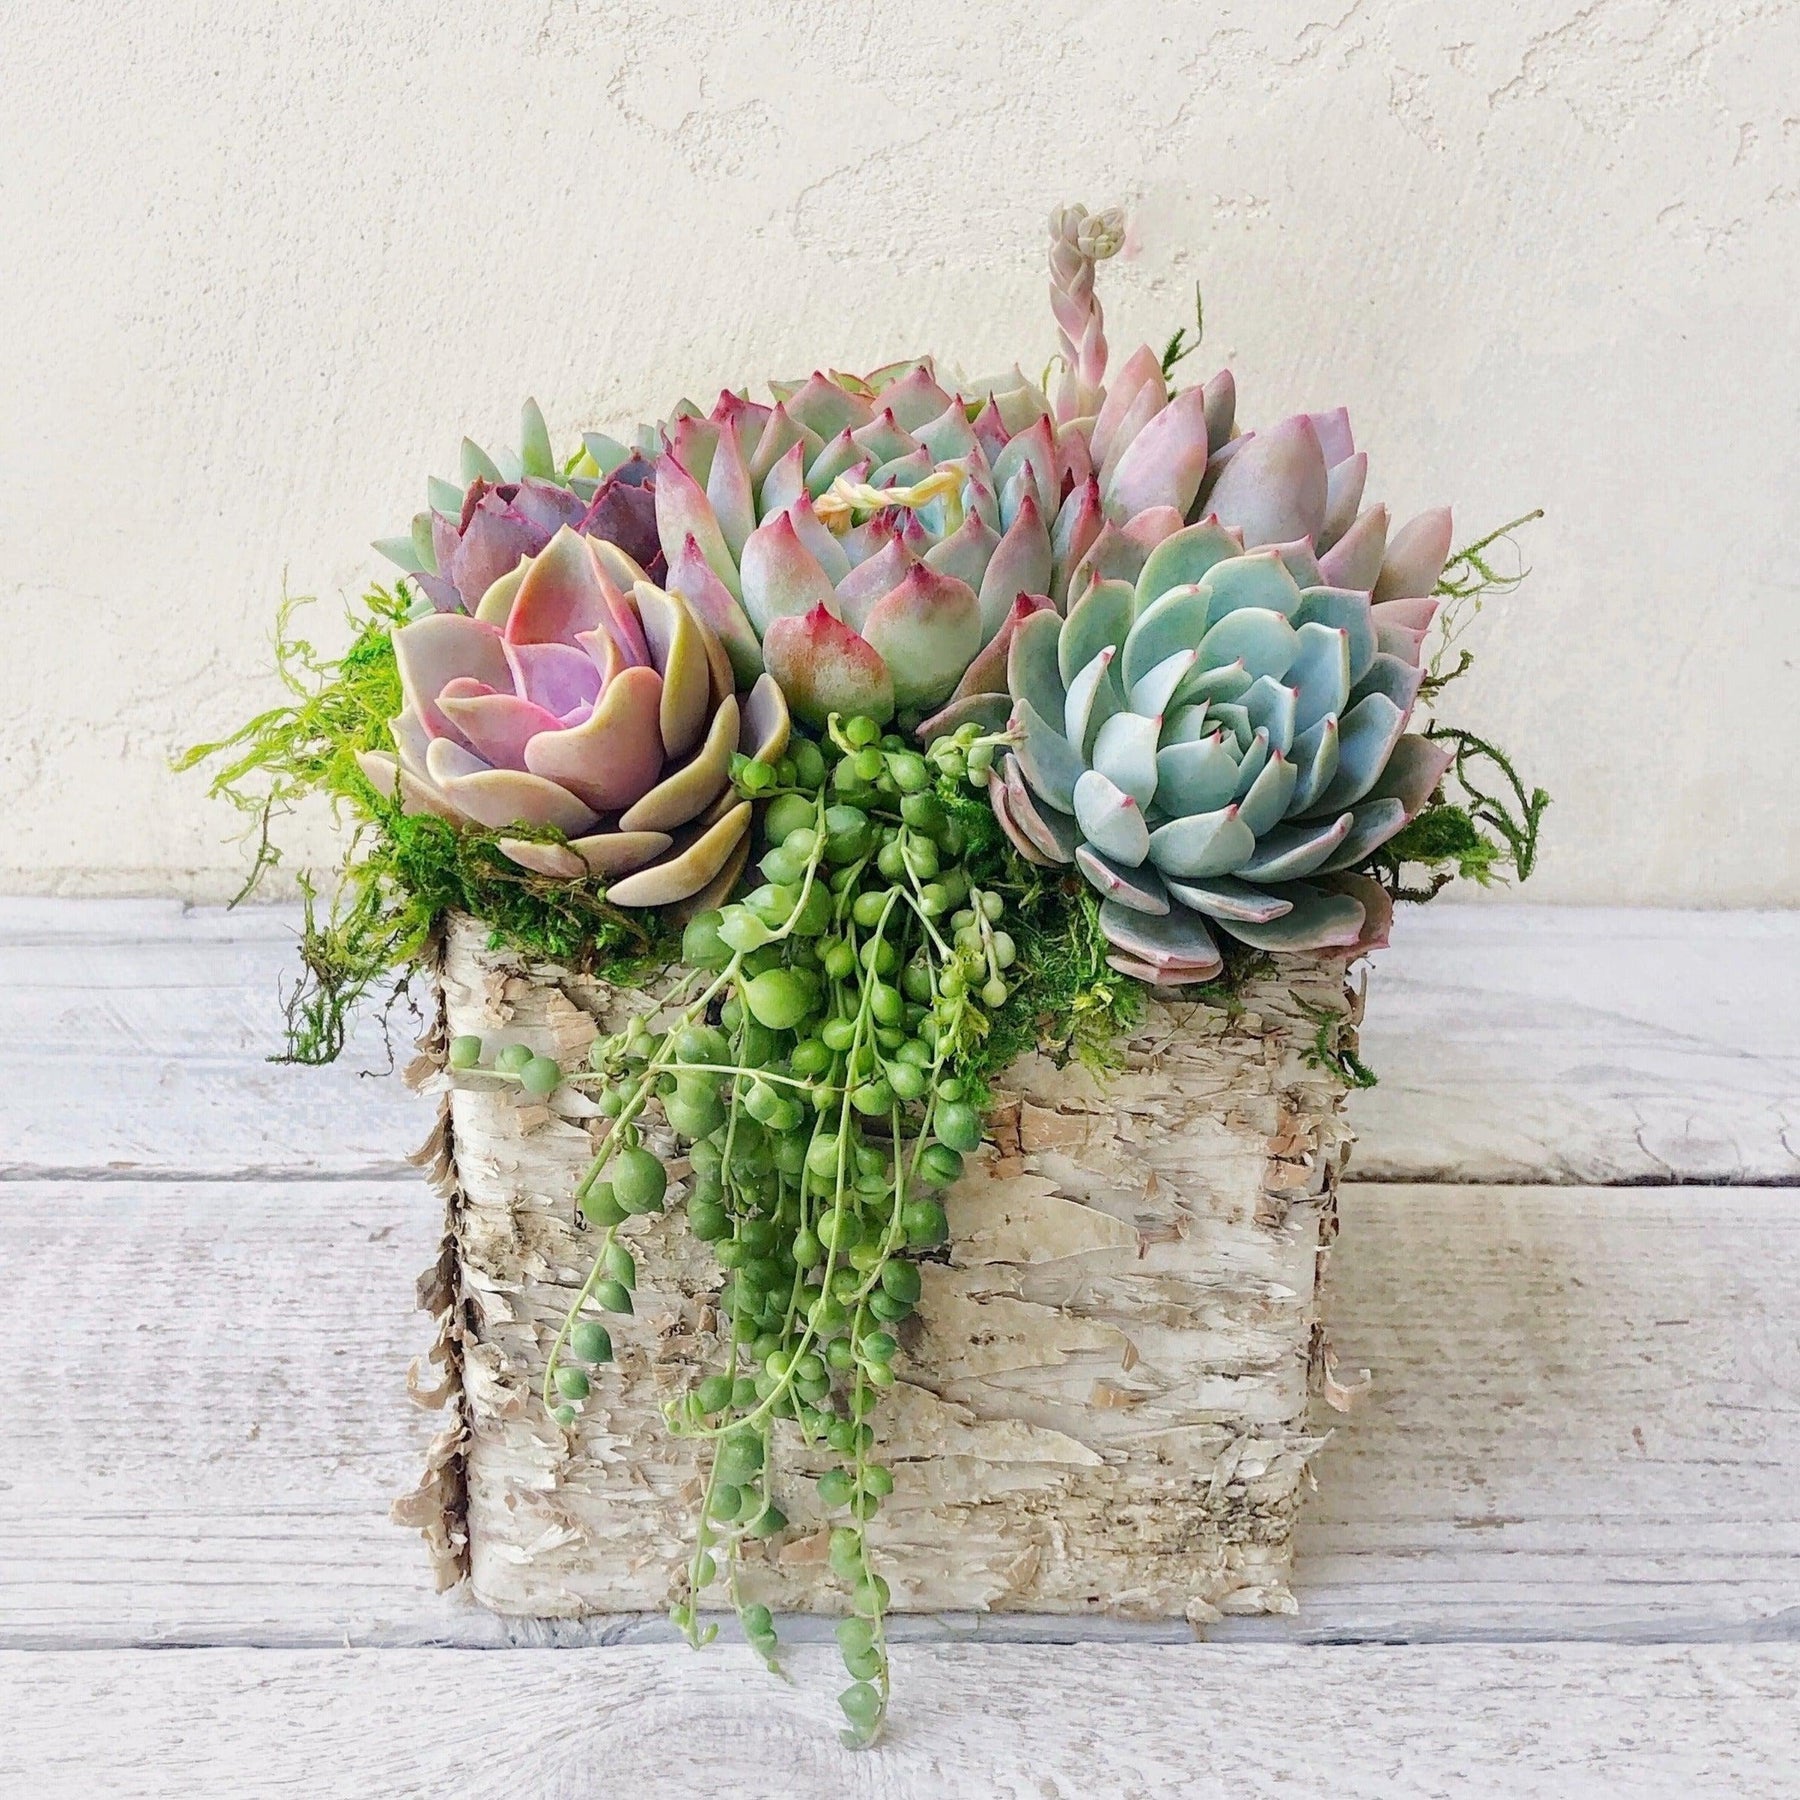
1103 1395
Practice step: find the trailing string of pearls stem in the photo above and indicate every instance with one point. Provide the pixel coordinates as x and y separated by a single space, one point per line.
816 1061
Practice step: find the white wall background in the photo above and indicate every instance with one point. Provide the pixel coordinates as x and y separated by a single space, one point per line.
262 264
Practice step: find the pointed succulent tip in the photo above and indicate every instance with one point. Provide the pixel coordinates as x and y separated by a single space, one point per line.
1274 487
824 667
1415 557
535 455
927 631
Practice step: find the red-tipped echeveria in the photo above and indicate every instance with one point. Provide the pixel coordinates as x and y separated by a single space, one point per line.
510 505
869 539
580 696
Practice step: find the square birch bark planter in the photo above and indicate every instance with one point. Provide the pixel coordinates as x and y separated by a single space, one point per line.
1103 1396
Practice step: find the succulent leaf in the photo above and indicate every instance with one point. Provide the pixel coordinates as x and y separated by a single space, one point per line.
1227 897
1317 920
1264 642
1033 670
1354 561
1316 760
1163 463
825 667
1275 488
1198 776
1110 819
1052 832
1367 734
689 869
1273 707
999 798
1178 942
1185 557
1415 557
1391 675
1093 699
1289 851
1266 800
1137 888
1020 564
927 631
1050 763
1212 843
1258 578
1372 823
1345 611
1173 622
1319 674
1153 693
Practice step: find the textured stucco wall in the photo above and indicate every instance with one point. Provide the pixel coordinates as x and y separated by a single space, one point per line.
262 264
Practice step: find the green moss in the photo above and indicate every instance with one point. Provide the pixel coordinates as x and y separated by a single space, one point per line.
401 874
1334 1047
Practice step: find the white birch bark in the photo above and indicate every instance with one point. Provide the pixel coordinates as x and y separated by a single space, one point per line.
1104 1392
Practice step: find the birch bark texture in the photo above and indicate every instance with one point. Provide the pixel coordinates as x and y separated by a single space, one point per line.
1103 1404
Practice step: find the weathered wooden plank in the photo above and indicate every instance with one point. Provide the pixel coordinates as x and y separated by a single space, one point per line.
1540 1044
1585 1419
1514 1044
134 1038
969 1722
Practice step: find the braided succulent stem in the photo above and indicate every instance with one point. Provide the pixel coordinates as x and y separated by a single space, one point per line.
1078 240
838 506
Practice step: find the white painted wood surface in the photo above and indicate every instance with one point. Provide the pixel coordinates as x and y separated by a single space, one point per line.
1585 1420
1585 1423
1514 1044
977 1723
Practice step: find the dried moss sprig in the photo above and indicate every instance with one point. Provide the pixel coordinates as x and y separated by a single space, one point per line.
1468 578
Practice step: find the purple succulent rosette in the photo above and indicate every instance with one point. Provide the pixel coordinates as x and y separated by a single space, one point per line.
510 506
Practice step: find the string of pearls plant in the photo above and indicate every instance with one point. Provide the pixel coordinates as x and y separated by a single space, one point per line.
823 1078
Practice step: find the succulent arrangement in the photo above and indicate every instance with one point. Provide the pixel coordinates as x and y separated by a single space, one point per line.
1030 698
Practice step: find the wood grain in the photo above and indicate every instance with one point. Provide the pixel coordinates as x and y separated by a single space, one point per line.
1585 1419
969 1723
1543 1044
1514 1044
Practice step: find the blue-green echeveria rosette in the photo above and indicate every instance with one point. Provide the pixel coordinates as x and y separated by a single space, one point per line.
1217 737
